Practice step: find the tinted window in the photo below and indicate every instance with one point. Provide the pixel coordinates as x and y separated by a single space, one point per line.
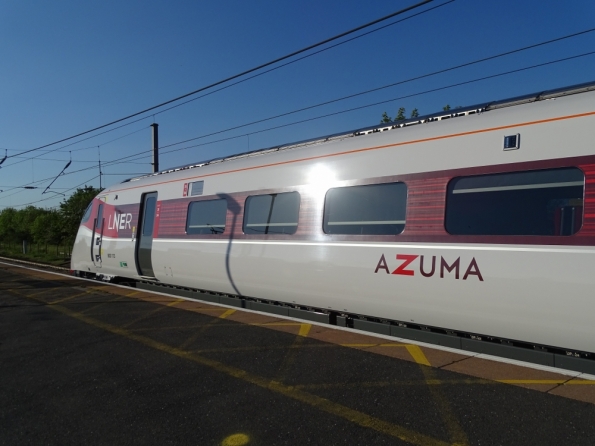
375 209
272 213
539 202
206 217
87 213
99 220
149 218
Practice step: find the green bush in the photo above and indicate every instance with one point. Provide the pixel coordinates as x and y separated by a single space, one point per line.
48 233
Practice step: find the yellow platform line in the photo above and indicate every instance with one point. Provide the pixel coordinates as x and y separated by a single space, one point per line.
204 328
227 313
103 288
572 382
291 354
531 381
373 345
398 383
16 288
44 291
153 312
278 323
358 345
40 292
209 309
304 330
455 430
417 354
68 298
352 415
115 299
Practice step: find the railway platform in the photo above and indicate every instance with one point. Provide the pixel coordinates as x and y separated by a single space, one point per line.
83 362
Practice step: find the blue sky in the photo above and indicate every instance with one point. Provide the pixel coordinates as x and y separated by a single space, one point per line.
69 66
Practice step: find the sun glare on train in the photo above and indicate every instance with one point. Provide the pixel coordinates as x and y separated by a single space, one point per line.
320 179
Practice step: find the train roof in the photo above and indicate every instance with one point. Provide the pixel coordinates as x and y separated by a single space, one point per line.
439 116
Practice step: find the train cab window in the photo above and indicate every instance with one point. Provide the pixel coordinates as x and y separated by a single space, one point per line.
99 220
539 202
272 213
206 217
374 209
87 214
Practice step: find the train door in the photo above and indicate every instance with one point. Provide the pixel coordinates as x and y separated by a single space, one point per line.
97 238
144 240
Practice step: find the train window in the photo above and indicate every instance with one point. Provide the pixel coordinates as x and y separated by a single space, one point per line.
539 202
99 220
272 213
374 209
206 217
87 214
149 219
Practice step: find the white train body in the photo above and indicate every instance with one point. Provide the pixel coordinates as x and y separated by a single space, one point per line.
532 288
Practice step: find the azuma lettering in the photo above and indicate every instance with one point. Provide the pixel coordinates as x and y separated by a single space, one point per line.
408 265
406 259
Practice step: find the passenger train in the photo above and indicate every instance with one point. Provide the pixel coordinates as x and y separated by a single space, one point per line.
475 223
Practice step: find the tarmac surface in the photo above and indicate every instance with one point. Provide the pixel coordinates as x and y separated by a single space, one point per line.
88 363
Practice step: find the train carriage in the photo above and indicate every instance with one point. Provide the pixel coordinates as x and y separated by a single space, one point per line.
478 222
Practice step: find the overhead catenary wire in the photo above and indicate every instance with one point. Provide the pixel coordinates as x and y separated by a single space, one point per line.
415 78
243 73
373 90
345 97
145 154
222 88
61 172
129 160
122 160
124 174
305 57
51 198
45 152
458 84
228 86
319 104
52 188
56 159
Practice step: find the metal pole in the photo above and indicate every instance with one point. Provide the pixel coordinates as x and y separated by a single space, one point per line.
155 147
99 159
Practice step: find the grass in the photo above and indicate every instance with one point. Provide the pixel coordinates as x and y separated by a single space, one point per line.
50 254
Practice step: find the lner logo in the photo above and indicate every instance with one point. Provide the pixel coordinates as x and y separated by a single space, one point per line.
409 266
119 221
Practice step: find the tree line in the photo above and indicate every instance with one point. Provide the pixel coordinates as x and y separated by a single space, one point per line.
385 119
46 226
